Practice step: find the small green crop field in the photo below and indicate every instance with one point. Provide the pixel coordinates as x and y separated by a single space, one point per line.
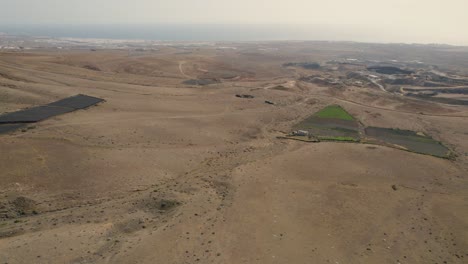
333 123
334 111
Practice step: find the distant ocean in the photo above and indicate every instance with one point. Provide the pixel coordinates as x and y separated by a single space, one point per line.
171 32
188 32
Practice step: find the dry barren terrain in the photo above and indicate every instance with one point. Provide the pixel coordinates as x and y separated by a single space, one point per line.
170 171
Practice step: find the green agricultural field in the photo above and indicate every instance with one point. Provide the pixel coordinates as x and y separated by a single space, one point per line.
333 123
334 111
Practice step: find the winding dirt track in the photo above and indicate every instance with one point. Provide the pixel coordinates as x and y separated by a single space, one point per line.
181 64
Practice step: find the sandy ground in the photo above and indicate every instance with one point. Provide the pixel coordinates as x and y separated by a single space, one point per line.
167 173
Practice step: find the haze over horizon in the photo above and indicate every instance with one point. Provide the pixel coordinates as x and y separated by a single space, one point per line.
417 21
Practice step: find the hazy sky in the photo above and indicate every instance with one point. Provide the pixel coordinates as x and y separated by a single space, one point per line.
395 20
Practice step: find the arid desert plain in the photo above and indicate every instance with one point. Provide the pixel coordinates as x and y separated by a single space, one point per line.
192 156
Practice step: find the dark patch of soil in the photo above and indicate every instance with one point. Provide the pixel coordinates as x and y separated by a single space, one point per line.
463 90
200 82
158 205
280 88
248 96
91 67
388 70
322 81
166 204
305 65
451 101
